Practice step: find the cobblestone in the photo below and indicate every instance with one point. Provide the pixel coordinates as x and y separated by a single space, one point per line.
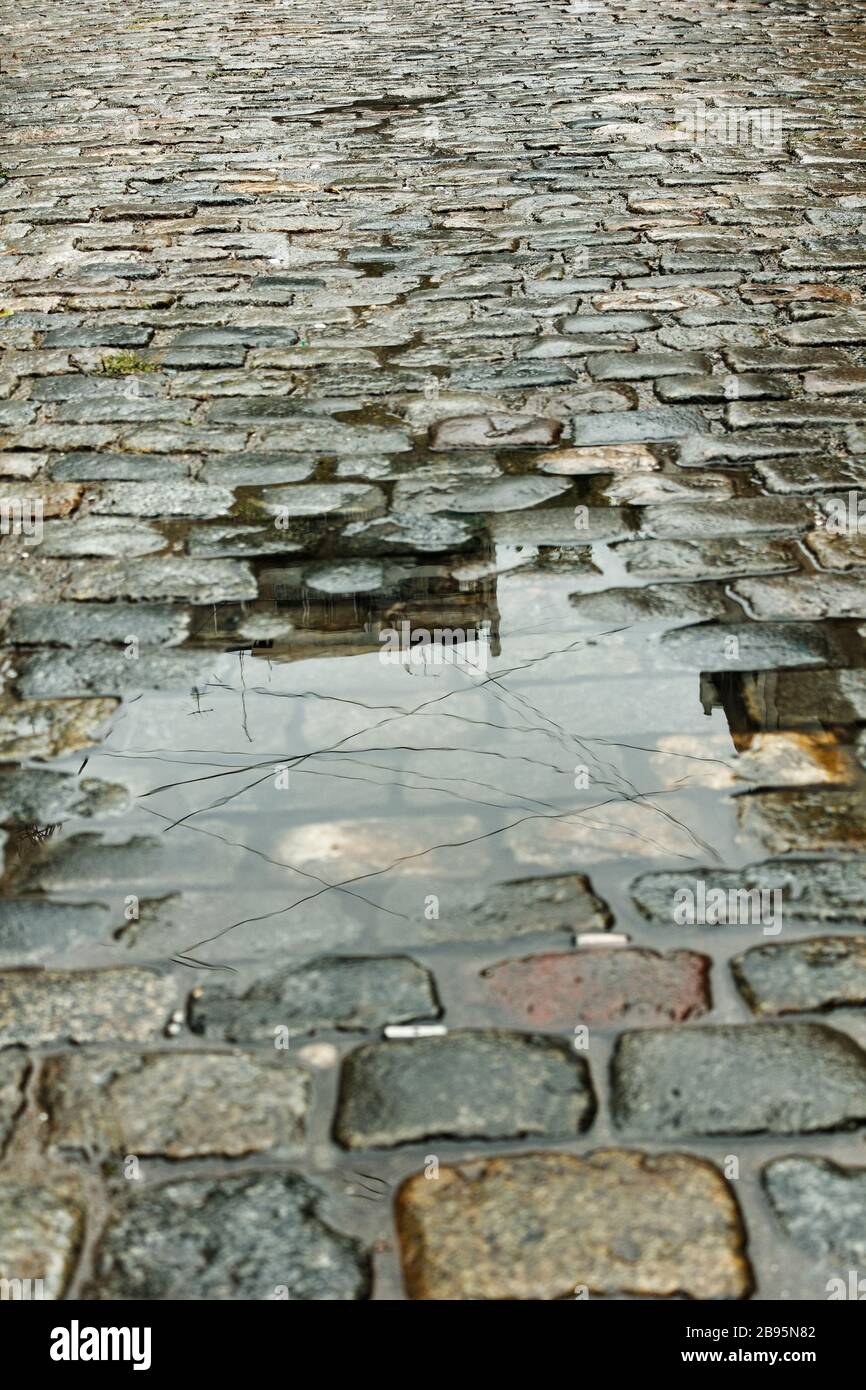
125 1004
826 972
239 1238
604 987
492 1085
40 1236
503 336
349 994
14 1069
175 1106
538 1226
738 1080
821 1206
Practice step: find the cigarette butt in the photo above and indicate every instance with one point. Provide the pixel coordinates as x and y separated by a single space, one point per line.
602 938
415 1030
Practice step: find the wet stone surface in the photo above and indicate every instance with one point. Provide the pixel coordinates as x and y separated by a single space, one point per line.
14 1069
826 972
539 1227
492 1085
344 994
44 1006
821 1205
40 1236
744 1080
604 987
239 1238
175 1106
431 547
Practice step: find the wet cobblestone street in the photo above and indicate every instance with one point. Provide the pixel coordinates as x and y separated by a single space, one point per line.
338 961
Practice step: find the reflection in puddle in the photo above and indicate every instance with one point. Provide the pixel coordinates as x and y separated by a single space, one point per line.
292 802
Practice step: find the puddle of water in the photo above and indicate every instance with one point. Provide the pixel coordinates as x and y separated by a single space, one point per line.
296 803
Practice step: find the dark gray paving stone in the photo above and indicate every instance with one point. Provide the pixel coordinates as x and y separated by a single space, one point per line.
496 430
748 646
646 366
815 893
194 358
805 821
750 386
117 335
467 1085
252 470
102 536
746 1079
45 796
72 624
824 972
736 517
613 322
104 670
166 577
215 542
320 499
655 425
822 1207
653 604
277 335
352 994
835 328
175 1105
38 930
716 559
308 436
526 907
808 596
811 475
751 415
805 698
126 1004
132 468
499 495
697 450
236 1238
782 359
